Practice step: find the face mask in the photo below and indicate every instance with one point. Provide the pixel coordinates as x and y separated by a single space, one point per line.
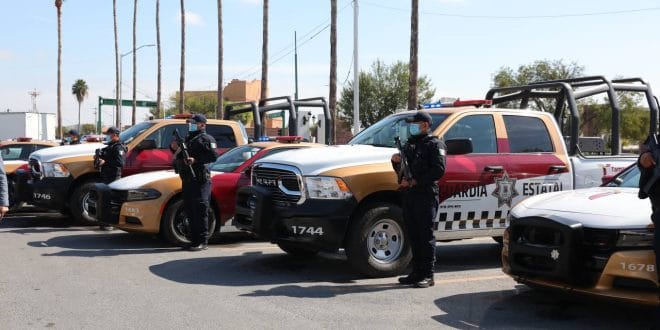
108 138
67 139
192 127
414 129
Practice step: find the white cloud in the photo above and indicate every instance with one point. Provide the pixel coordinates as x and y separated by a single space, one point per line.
6 55
192 19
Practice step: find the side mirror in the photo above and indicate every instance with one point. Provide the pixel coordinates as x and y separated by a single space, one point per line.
461 146
5 151
146 145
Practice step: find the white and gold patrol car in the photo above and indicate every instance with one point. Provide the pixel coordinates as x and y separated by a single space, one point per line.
596 241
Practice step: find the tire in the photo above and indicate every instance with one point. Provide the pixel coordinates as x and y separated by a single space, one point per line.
174 227
376 243
13 204
78 204
297 250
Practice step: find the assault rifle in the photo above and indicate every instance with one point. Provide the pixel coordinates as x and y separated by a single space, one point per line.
97 158
404 169
654 148
184 151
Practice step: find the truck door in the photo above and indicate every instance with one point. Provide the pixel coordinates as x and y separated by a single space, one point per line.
466 203
155 152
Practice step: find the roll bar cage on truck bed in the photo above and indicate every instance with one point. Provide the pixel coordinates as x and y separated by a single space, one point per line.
283 103
566 93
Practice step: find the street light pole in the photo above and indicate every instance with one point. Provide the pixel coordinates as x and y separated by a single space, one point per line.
121 61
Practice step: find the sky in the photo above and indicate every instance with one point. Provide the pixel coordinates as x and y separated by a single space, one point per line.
461 44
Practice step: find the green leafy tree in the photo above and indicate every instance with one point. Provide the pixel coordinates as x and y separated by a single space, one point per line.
80 90
204 103
537 71
634 119
383 90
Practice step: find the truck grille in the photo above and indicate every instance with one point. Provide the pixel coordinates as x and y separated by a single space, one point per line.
281 181
35 168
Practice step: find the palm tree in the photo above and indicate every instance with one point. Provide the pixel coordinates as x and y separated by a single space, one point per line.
182 74
134 60
218 111
414 31
117 87
158 89
264 56
58 5
333 66
79 89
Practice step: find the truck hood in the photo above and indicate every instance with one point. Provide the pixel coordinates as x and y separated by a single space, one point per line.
55 153
600 207
315 161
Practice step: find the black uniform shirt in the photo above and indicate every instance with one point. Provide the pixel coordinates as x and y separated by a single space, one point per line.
201 147
113 155
426 157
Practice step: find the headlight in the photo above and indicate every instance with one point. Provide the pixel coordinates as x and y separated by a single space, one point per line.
324 187
54 170
141 194
635 238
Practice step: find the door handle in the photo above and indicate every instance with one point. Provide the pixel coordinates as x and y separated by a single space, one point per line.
558 168
494 169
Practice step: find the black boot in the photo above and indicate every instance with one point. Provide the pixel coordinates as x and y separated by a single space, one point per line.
408 280
425 282
199 247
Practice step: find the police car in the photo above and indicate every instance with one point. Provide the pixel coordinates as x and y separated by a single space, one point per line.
596 241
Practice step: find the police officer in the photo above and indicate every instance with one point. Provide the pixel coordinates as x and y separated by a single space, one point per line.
649 188
425 156
111 160
73 137
197 187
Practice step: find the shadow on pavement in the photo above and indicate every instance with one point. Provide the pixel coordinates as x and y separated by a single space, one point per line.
103 245
524 308
35 223
467 256
323 291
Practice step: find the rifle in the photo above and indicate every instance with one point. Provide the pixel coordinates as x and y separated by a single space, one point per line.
404 169
654 148
184 151
97 158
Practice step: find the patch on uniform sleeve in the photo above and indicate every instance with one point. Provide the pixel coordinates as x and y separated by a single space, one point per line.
121 152
214 145
443 152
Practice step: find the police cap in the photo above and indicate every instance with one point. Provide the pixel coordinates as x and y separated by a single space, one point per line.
112 130
73 132
420 116
198 118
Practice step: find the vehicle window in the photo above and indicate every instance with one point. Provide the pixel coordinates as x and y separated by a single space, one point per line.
223 134
480 129
627 179
527 134
382 133
39 147
129 134
15 152
232 159
163 136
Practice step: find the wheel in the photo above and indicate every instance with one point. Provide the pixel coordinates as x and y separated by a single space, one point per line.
499 240
175 224
297 250
78 204
13 204
376 244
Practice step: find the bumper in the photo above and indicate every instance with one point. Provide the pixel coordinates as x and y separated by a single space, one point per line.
627 276
318 224
107 207
48 193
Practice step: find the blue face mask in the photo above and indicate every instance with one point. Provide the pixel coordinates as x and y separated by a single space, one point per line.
192 127
67 139
108 138
414 129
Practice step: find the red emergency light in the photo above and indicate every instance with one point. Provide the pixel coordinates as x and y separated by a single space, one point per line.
24 139
289 139
476 103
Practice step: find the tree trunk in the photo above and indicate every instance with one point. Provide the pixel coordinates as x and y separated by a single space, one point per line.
159 78
412 85
219 110
134 60
182 74
117 86
79 104
58 4
333 69
264 55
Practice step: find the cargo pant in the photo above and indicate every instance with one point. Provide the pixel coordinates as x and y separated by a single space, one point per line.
196 195
419 211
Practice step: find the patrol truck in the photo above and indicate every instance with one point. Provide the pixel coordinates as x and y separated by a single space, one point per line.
346 196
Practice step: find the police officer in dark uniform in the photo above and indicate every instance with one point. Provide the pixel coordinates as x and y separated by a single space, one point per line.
73 137
425 155
649 186
111 160
197 187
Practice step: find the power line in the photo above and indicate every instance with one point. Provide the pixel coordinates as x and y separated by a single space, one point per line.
522 17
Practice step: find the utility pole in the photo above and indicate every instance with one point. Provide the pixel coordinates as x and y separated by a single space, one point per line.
356 72
33 95
295 59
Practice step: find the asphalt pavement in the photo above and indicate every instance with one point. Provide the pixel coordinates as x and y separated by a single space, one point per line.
55 275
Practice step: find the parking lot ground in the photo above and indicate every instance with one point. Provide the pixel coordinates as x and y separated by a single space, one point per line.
59 276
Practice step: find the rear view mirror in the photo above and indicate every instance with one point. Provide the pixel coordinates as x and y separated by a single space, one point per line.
459 146
146 145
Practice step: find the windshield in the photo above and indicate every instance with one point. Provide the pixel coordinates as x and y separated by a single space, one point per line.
628 179
232 159
128 135
382 133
